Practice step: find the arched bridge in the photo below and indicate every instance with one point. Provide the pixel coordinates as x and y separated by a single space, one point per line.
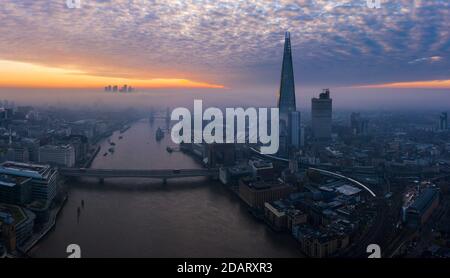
132 173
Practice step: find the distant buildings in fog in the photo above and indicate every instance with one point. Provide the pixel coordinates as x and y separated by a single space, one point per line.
124 89
358 124
443 121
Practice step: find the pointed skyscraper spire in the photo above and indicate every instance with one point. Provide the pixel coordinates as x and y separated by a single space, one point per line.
286 97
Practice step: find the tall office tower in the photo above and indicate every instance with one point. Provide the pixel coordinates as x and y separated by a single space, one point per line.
443 121
321 110
286 97
295 139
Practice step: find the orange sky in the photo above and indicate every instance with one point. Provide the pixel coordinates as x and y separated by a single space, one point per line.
15 74
433 84
27 75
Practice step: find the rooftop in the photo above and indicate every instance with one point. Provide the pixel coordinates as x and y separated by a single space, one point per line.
12 214
28 170
424 199
348 190
261 185
11 180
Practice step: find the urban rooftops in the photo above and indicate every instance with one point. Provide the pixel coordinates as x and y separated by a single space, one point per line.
35 171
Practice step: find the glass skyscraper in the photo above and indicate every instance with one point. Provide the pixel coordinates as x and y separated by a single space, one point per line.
286 97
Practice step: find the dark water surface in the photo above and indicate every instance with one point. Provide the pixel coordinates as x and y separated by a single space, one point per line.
192 217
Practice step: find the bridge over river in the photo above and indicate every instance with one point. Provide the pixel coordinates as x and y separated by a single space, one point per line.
163 174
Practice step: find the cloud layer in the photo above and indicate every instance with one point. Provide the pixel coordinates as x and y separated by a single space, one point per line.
232 42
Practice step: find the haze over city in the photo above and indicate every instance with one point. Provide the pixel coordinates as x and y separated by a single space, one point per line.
225 129
393 57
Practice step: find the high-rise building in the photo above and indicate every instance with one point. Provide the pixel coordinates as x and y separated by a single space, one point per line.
286 97
321 110
443 121
295 139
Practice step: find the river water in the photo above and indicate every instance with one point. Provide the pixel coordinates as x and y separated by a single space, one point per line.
136 217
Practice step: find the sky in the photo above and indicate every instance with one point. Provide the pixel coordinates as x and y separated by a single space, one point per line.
228 45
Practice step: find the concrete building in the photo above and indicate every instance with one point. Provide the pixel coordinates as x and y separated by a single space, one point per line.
262 169
282 217
15 190
80 145
257 192
16 224
61 155
317 243
321 110
421 209
17 152
231 175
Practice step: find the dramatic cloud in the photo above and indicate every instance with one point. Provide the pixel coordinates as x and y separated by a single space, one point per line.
230 42
427 59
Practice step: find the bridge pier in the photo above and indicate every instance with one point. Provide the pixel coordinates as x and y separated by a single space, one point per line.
101 180
164 181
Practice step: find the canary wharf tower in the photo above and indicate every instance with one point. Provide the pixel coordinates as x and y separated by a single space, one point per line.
286 100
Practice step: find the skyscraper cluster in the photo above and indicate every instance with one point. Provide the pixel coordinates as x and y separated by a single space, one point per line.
291 134
114 88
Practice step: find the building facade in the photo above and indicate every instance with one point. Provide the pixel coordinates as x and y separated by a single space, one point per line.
256 193
61 155
286 97
43 178
321 115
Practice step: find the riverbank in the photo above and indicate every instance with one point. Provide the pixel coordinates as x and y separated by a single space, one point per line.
51 223
192 217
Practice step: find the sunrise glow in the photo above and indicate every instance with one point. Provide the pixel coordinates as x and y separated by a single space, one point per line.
27 75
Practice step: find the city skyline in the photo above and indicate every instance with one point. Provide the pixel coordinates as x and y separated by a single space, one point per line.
224 45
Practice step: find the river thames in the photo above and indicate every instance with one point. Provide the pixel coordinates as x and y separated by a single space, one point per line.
193 217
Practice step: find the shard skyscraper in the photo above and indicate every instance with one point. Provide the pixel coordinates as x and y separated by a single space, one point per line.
286 97
286 100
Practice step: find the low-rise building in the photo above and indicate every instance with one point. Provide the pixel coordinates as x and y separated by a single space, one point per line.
282 216
421 209
16 225
262 169
319 243
257 192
